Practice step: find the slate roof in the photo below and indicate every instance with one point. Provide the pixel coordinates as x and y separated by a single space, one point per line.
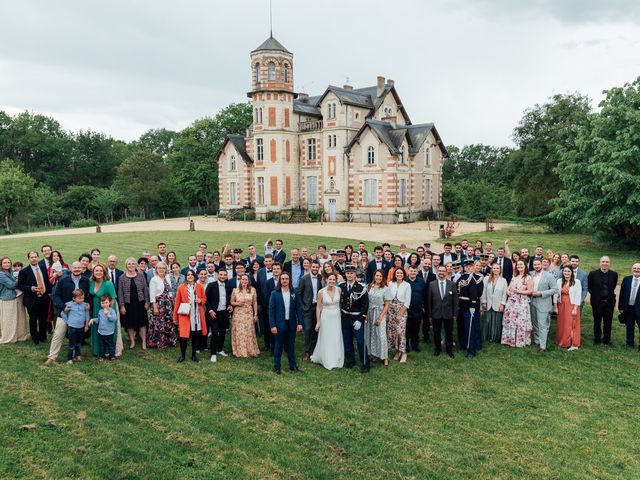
271 44
393 137
239 144
307 106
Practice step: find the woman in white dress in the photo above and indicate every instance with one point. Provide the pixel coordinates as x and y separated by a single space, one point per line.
329 351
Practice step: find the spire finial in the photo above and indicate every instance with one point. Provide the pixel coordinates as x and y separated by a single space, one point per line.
271 18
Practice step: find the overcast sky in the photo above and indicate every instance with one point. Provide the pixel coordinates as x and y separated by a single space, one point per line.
469 66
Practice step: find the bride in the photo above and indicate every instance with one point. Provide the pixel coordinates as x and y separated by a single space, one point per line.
329 351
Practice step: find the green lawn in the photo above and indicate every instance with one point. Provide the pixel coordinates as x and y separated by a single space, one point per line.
582 245
506 414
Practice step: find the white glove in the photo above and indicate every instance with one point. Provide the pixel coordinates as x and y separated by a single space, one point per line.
356 325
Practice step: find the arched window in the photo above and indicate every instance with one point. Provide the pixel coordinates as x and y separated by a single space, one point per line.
371 156
232 163
257 73
271 72
286 74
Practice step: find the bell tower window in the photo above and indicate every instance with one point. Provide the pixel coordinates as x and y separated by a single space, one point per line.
257 73
271 72
286 74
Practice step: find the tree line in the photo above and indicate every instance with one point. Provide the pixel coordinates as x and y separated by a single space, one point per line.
49 176
573 167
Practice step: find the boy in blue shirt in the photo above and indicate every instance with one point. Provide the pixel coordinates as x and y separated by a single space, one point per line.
75 315
106 321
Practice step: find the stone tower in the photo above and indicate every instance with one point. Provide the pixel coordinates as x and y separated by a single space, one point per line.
275 153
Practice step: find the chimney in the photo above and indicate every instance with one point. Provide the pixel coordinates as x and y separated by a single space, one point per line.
303 97
390 82
380 86
392 119
346 86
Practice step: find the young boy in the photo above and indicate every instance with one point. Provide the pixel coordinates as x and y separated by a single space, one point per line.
106 321
75 315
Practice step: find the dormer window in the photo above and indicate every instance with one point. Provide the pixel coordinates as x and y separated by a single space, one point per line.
371 156
271 72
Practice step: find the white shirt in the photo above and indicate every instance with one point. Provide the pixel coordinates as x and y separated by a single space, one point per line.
314 284
222 295
402 292
536 280
212 277
286 297
446 259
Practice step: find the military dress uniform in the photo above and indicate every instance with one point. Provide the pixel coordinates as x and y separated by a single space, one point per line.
470 288
354 305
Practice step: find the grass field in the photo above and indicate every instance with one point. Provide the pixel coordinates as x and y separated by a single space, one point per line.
506 414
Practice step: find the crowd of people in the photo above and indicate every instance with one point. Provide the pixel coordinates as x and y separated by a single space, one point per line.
382 301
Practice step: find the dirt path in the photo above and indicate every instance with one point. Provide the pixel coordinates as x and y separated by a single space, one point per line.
412 234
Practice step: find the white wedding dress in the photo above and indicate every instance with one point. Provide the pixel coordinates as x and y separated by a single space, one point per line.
329 351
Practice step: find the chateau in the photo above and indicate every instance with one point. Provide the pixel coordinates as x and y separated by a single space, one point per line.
352 153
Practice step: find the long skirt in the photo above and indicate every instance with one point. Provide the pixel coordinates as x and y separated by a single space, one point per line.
492 327
13 321
377 335
397 324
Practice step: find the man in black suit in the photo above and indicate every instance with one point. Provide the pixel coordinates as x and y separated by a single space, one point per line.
428 276
34 283
378 263
267 280
279 254
46 255
538 256
602 287
218 308
629 302
112 269
61 295
505 265
308 289
235 281
416 310
443 310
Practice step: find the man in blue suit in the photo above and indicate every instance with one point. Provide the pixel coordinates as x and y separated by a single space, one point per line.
285 319
378 263
629 302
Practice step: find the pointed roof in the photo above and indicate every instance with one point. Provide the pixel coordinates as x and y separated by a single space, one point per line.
271 44
239 144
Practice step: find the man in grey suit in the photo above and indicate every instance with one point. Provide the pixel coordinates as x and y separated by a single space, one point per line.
443 310
308 289
544 288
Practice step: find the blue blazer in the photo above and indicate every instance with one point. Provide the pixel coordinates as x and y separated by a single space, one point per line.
371 269
625 293
277 313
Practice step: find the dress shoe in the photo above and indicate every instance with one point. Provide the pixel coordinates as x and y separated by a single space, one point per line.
608 344
469 355
349 365
194 359
436 354
277 370
597 342
630 345
365 369
542 350
180 359
450 355
49 361
295 370
416 349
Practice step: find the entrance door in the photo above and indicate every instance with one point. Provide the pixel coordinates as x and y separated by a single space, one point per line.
332 209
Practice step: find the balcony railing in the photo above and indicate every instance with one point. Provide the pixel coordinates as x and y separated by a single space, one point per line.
310 126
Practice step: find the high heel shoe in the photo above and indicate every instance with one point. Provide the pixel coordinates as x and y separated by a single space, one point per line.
403 358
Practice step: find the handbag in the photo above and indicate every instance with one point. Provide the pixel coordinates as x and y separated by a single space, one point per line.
184 309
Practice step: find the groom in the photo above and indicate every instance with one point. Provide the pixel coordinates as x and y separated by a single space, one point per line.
354 304
285 319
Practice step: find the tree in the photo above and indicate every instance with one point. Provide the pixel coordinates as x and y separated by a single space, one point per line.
192 160
95 158
601 175
105 202
158 140
143 181
475 162
16 191
46 209
543 134
41 145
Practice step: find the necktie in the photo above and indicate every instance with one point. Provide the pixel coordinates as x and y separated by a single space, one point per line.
442 289
39 280
634 291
